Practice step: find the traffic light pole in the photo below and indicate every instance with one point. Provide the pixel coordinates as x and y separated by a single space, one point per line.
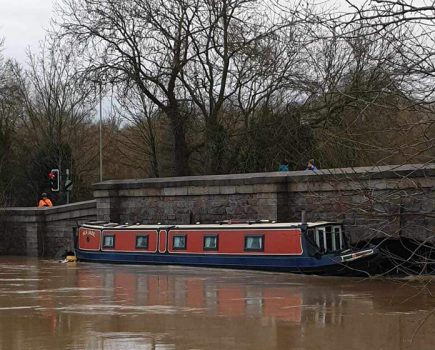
67 192
101 138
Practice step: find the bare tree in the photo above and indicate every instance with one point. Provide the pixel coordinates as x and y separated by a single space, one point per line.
139 144
188 57
242 55
409 26
57 103
380 111
144 42
10 109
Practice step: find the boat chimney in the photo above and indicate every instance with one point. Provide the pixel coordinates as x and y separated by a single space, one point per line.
303 217
304 225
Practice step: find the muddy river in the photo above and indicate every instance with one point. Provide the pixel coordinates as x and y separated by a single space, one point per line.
45 304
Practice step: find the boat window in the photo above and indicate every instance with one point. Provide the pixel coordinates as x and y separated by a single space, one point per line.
254 243
109 241
142 242
311 240
320 238
329 242
311 234
338 238
179 242
211 242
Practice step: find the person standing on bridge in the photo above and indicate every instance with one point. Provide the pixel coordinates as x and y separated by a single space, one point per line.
283 166
45 201
311 165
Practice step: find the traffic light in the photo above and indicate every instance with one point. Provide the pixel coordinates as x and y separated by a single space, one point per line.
54 178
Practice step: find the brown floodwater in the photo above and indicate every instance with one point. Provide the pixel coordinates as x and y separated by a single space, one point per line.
48 305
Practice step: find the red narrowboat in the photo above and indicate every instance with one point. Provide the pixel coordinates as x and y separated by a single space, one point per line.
310 248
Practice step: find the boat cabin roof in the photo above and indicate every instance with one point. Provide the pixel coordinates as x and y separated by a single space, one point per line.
224 224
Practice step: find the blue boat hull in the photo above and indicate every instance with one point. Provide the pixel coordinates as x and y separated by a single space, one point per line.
328 264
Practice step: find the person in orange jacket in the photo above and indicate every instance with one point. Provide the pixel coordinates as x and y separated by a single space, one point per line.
44 201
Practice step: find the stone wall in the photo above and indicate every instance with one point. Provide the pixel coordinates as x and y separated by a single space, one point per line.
41 231
373 202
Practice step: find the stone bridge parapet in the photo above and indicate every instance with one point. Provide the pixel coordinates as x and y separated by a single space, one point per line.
41 231
373 202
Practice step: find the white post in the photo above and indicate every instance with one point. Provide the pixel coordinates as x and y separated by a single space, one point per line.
101 138
67 192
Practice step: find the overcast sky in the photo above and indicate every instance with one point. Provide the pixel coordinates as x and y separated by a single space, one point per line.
22 24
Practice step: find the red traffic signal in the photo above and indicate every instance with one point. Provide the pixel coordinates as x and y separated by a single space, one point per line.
54 177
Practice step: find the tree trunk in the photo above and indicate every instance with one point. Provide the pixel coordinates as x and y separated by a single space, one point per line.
181 155
215 144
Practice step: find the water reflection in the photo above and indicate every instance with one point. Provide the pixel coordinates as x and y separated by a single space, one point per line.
46 305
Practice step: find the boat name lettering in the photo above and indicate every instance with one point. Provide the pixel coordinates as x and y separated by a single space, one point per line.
89 233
